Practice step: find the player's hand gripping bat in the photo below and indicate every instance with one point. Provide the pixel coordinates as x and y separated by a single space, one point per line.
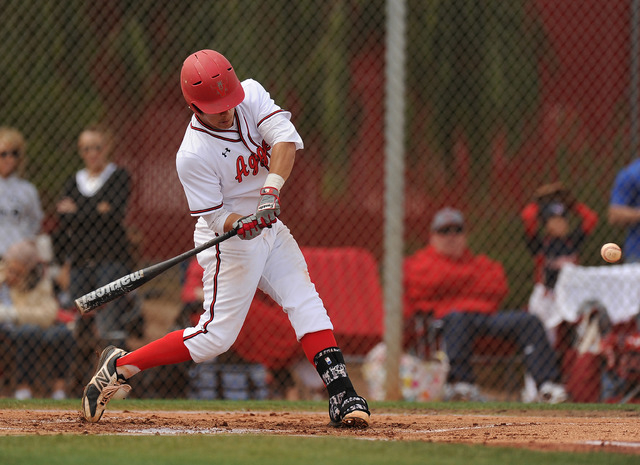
128 283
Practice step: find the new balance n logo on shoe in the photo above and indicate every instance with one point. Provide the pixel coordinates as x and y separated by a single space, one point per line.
102 379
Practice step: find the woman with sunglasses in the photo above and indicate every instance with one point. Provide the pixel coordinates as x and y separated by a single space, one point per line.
20 208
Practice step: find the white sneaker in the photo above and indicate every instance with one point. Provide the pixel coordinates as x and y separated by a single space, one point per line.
529 392
552 393
461 391
22 394
58 394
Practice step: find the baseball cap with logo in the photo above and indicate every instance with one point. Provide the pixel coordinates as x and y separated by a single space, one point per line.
447 217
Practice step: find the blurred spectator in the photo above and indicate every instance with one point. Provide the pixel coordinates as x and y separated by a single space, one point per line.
28 322
20 210
464 291
624 209
92 245
553 242
621 374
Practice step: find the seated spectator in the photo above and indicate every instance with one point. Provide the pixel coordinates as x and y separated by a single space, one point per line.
553 243
465 290
621 373
28 322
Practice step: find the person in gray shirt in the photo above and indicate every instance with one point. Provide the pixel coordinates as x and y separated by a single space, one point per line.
20 208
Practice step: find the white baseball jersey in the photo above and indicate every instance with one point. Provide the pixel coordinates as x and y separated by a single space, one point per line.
222 172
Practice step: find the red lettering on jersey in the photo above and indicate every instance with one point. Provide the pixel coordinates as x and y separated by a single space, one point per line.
241 168
252 165
261 154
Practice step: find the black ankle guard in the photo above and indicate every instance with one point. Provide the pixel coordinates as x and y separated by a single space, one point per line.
333 371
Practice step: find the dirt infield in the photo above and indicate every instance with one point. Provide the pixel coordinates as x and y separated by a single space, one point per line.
546 430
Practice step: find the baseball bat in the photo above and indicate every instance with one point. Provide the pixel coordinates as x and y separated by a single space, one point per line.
128 283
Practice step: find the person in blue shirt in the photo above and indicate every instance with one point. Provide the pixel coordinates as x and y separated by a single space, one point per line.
624 209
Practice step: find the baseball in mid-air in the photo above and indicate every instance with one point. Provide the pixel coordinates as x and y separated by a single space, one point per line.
611 252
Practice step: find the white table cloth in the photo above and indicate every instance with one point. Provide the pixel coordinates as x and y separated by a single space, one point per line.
617 287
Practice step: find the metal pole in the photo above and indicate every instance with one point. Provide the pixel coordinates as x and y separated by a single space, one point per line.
394 192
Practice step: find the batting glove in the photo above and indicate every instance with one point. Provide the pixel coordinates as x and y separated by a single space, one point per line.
247 227
268 207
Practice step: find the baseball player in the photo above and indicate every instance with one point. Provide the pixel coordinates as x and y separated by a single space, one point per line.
237 153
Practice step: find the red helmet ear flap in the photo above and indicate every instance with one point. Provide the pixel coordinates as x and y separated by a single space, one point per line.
209 83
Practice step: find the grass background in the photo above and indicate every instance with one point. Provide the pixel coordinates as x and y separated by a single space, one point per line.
267 450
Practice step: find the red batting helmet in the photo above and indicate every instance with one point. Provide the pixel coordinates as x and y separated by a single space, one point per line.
209 83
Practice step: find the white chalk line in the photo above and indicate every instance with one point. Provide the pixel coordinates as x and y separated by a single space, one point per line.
611 443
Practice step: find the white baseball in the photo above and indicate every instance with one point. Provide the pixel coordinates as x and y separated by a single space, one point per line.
611 252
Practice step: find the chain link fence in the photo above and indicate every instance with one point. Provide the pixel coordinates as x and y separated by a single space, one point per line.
518 115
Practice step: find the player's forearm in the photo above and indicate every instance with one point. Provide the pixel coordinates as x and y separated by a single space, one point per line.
283 156
621 215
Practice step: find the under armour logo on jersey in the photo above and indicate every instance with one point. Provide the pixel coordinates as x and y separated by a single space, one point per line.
226 151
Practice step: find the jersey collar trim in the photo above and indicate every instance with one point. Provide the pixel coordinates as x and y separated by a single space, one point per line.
223 134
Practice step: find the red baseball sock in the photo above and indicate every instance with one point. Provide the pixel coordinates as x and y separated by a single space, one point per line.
312 343
165 351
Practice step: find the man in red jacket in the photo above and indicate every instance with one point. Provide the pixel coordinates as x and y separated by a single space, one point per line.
464 291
